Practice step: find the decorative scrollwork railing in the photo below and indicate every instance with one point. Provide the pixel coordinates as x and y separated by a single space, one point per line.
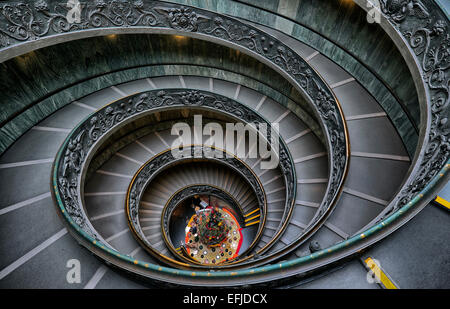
431 167
424 30
23 23
191 191
164 160
73 157
427 38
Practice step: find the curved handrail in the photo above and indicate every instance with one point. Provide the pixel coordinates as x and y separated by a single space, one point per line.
352 243
78 149
441 165
420 29
99 16
189 191
164 160
444 135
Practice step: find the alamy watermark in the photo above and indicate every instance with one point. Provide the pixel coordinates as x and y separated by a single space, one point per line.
374 13
74 273
374 273
74 13
263 141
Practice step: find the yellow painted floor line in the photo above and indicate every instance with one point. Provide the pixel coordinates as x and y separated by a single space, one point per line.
254 217
249 224
385 281
442 202
250 213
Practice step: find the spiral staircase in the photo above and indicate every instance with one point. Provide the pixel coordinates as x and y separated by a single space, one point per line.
87 165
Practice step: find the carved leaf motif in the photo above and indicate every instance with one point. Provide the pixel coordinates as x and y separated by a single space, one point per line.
182 18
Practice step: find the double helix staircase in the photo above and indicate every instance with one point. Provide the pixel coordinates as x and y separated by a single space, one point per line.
86 174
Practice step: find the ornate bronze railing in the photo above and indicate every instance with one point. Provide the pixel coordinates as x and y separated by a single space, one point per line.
164 160
424 38
44 23
422 34
189 191
74 157
221 28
